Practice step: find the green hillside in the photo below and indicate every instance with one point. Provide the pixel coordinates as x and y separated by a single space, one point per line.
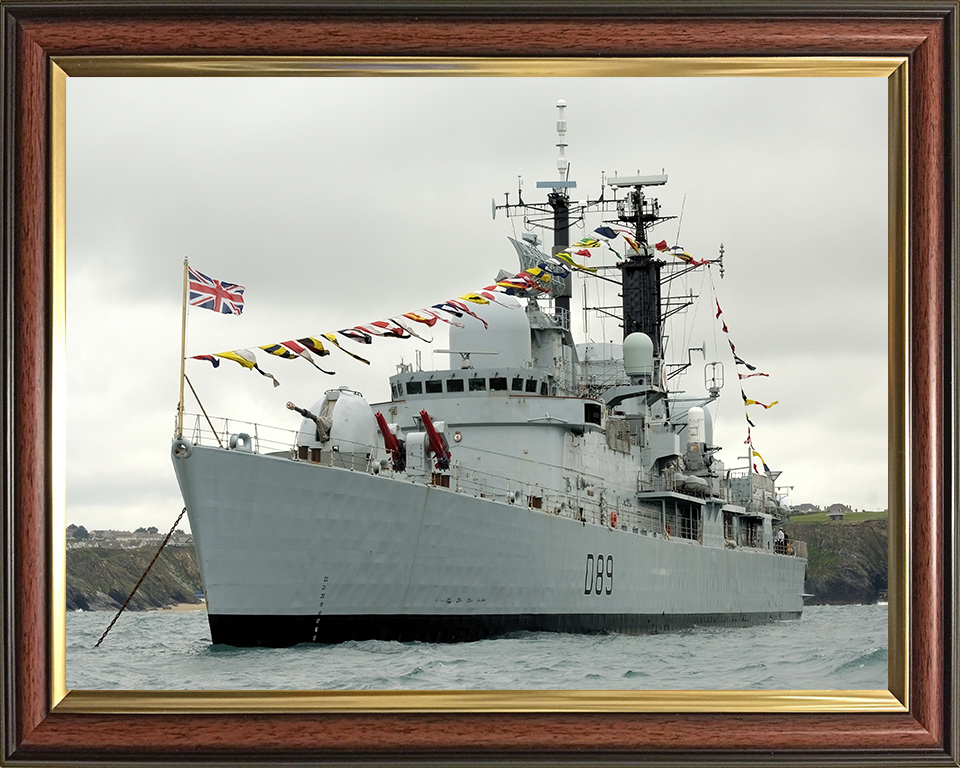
100 578
851 518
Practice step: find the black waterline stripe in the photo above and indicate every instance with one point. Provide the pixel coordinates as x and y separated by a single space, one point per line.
284 631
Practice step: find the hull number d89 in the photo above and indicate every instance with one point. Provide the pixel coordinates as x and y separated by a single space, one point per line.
598 577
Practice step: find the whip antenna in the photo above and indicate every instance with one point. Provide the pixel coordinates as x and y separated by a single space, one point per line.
680 219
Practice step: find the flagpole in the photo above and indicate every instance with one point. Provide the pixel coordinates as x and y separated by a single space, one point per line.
183 348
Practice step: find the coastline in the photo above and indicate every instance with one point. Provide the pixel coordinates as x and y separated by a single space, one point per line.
182 607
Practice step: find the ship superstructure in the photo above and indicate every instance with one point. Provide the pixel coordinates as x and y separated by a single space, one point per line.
533 484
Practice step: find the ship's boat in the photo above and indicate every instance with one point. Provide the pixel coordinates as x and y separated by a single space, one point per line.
534 484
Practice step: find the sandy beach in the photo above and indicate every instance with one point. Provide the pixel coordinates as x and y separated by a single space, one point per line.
184 607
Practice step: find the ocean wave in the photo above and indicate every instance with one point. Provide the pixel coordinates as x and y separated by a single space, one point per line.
871 658
832 647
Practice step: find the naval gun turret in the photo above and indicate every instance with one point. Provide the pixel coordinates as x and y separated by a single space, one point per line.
339 430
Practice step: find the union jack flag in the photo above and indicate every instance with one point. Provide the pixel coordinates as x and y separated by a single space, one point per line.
226 298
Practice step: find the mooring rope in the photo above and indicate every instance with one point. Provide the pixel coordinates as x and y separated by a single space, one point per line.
162 545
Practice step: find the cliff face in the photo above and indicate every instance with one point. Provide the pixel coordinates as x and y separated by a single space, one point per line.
847 562
99 579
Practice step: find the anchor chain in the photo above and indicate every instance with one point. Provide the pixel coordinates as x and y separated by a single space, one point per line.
134 591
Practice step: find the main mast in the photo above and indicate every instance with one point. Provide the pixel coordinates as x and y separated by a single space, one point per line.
641 270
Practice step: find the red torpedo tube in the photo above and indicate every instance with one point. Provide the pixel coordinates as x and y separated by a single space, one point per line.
391 444
437 444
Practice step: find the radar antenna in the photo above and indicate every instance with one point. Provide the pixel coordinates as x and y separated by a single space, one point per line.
563 165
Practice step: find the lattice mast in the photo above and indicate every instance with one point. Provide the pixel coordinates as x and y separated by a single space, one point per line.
641 271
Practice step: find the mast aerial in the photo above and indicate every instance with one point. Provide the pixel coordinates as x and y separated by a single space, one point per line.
558 210
559 201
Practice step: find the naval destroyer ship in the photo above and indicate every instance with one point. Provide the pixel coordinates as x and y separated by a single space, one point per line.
535 484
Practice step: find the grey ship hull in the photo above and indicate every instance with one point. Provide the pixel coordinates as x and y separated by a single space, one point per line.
295 552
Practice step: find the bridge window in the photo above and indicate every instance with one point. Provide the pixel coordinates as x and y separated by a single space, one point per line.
517 384
454 385
478 385
532 385
414 387
543 388
498 383
434 386
689 519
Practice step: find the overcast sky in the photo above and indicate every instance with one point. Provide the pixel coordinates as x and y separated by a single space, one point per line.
338 201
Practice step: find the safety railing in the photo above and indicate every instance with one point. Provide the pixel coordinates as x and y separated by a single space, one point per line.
797 549
217 430
580 499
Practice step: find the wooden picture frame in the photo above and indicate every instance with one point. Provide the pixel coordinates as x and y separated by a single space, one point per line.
915 722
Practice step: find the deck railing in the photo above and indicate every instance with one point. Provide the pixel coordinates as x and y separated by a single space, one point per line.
587 504
797 549
216 430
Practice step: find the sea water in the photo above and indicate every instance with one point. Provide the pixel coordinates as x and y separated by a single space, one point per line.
829 648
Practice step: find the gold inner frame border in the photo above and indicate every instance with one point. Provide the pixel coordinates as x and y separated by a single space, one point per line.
894 69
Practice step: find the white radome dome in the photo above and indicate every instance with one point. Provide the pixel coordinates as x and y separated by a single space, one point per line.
638 355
